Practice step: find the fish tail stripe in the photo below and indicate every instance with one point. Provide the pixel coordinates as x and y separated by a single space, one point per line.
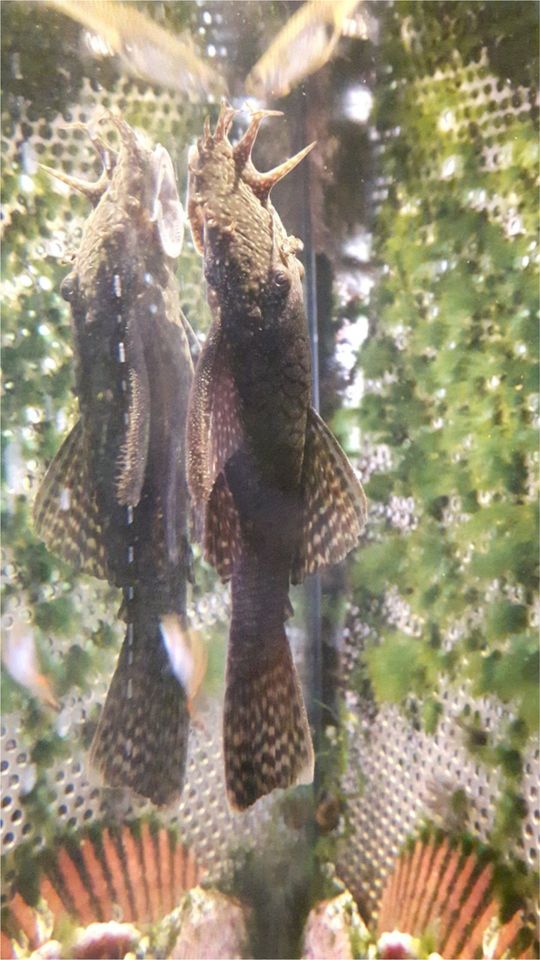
121 891
96 877
334 503
73 882
164 867
131 853
267 741
151 874
49 892
23 917
6 948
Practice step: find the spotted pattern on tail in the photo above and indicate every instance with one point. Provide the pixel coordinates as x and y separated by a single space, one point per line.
66 514
267 740
142 735
334 502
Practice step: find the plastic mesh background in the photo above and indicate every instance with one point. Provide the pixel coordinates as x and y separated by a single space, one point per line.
397 775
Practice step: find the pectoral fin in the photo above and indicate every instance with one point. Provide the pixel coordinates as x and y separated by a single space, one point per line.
334 503
66 514
131 462
193 341
214 429
167 212
214 435
222 530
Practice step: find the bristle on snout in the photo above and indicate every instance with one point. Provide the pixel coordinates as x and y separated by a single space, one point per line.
92 190
262 183
224 121
242 150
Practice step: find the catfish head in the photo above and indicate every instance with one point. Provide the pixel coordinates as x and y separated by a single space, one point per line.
136 205
249 259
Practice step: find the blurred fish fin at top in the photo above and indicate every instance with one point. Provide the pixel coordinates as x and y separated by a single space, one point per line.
145 48
307 42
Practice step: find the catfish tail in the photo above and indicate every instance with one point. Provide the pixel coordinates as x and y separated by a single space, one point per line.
267 740
142 735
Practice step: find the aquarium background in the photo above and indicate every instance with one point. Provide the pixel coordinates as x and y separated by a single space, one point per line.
419 656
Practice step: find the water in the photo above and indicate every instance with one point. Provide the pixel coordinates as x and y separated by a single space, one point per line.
418 655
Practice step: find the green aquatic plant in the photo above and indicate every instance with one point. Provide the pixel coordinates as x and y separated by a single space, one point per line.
451 370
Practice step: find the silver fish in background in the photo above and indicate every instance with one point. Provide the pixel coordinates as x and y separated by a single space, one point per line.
280 498
114 502
305 44
146 49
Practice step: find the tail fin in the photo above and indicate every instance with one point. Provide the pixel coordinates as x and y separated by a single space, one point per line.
267 741
142 735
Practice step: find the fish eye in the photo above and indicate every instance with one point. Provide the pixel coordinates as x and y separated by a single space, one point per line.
67 287
281 281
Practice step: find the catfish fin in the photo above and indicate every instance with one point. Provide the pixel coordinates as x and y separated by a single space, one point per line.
167 212
335 505
222 538
193 340
214 431
131 462
142 735
66 513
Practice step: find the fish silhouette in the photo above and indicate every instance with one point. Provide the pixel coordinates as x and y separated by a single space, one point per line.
305 44
145 48
114 501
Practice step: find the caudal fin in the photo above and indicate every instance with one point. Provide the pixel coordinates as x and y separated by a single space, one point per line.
142 735
267 741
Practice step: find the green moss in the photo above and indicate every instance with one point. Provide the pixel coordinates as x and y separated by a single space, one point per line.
453 402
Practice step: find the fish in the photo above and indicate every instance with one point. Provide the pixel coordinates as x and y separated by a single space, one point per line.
114 502
279 498
146 49
305 44
20 658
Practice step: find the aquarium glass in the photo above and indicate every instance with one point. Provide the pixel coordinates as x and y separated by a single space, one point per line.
413 622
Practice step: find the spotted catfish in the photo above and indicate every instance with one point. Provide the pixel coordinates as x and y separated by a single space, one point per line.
114 501
279 496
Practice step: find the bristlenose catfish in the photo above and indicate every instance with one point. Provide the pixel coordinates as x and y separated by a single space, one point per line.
114 501
280 498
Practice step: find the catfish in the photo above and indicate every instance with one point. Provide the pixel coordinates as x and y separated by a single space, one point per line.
114 502
280 499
